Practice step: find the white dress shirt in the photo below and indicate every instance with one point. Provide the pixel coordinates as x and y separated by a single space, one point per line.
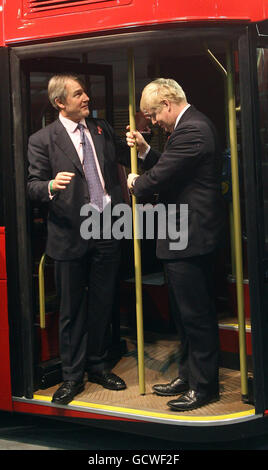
74 134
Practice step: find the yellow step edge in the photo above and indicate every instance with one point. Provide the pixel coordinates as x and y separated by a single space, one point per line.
232 326
153 414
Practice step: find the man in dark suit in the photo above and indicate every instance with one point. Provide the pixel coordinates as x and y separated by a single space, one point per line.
187 175
72 162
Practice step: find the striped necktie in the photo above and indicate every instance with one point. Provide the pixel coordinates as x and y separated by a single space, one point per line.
95 188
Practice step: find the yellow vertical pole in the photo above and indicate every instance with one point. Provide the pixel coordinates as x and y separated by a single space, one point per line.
41 281
231 210
137 248
231 221
237 223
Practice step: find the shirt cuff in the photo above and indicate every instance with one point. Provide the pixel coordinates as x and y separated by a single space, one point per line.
142 156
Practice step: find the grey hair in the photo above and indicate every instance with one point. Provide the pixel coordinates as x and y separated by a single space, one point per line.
161 89
57 87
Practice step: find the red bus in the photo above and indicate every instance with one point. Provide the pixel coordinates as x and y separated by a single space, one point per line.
217 51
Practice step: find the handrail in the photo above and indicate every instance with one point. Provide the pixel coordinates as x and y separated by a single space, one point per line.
234 213
217 62
237 223
41 281
137 248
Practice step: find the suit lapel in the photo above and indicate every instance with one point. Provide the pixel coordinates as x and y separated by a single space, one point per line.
184 118
63 141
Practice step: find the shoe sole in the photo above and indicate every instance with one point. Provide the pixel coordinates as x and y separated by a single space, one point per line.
190 408
65 402
99 382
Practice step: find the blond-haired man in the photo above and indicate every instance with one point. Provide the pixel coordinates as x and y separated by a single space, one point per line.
186 173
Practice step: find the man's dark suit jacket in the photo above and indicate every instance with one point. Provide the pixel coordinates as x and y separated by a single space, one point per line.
188 172
51 151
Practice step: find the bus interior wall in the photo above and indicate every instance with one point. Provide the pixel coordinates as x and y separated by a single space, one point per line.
204 87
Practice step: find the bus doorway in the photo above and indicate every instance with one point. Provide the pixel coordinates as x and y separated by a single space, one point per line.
161 342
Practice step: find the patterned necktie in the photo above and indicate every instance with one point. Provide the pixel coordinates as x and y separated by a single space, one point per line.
91 172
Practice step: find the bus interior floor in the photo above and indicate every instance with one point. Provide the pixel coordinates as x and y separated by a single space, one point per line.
160 365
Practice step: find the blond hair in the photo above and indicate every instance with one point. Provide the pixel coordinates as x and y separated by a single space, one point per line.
57 87
159 90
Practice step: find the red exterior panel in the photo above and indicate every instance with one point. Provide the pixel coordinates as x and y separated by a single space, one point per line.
23 407
3 274
35 20
5 380
1 24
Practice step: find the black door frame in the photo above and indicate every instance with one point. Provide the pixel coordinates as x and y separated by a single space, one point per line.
257 265
9 170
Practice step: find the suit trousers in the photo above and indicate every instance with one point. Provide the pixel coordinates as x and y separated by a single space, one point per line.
86 288
191 293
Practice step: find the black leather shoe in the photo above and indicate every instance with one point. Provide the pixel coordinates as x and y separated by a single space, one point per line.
175 387
67 391
191 400
107 380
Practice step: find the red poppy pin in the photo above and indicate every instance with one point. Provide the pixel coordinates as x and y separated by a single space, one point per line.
99 130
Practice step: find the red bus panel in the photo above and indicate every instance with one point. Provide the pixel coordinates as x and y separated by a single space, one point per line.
3 273
1 24
41 19
5 381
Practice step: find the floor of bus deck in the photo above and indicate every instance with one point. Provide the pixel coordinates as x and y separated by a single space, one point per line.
160 355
